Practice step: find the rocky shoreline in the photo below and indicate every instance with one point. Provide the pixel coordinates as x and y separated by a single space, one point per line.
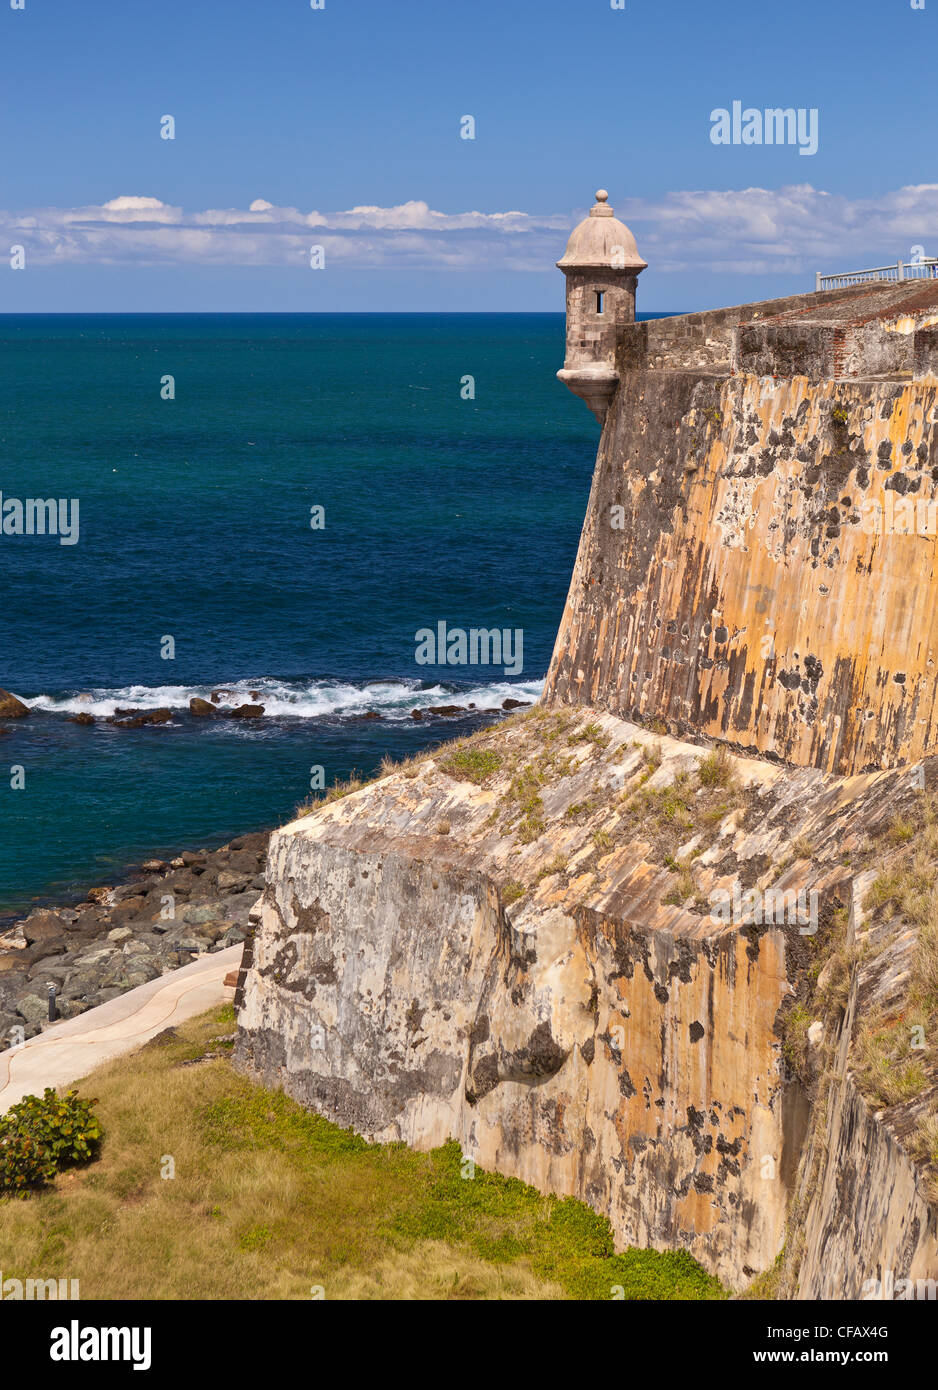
160 918
164 913
139 717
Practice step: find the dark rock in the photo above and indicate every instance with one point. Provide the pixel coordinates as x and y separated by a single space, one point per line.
202 709
217 695
416 714
81 719
81 923
104 996
43 926
515 704
246 712
181 883
33 1006
149 938
11 707
236 909
190 858
130 907
214 930
183 938
153 716
447 710
46 970
243 861
130 971
230 881
124 891
159 716
256 842
196 914
8 1022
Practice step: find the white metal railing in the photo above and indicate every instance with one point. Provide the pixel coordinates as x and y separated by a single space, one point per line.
925 269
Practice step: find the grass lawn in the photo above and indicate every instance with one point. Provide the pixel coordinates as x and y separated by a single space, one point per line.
270 1201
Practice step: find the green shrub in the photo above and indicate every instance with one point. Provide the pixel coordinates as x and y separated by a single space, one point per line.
472 764
41 1135
716 769
24 1163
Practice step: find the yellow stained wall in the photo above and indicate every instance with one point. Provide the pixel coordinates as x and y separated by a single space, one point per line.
735 578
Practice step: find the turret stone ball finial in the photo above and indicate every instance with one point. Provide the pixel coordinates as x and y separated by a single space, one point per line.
601 265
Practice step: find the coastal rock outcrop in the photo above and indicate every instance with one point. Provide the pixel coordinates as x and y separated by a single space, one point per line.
123 935
11 707
130 719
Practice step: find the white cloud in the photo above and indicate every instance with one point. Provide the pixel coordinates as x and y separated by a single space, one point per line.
793 229
145 230
132 204
797 229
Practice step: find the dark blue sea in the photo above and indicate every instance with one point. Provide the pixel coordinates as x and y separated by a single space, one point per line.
194 526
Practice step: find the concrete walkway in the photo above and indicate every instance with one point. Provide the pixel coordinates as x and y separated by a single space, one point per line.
70 1049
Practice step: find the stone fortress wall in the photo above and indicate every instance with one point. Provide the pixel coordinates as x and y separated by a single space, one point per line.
758 560
429 966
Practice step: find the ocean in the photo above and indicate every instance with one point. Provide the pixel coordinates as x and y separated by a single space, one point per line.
197 567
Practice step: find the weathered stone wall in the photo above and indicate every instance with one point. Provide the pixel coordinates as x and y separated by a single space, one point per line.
592 336
926 352
726 581
861 1211
543 984
425 969
701 341
585 1038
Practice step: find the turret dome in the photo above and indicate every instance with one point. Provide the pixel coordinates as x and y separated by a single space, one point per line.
602 240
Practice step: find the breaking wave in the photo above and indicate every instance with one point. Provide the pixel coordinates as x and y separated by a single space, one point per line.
301 699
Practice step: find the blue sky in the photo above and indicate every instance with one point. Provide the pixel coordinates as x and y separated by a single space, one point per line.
310 115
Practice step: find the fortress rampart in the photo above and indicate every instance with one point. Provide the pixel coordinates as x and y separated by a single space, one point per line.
511 942
758 562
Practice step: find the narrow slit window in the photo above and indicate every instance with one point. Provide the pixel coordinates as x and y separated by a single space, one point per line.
599 301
